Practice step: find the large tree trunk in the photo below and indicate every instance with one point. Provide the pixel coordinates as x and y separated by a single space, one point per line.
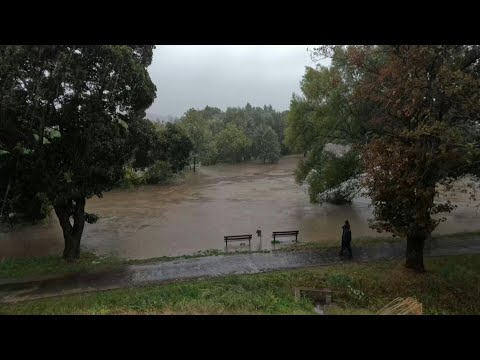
421 230
194 161
414 256
72 234
428 242
5 199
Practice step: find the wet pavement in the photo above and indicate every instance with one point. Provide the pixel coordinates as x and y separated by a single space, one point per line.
214 266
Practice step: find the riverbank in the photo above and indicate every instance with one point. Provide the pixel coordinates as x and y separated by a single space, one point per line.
122 275
451 286
35 268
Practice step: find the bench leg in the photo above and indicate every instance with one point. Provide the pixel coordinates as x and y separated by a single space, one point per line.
296 237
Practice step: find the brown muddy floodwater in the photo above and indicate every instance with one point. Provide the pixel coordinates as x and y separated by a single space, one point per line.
172 220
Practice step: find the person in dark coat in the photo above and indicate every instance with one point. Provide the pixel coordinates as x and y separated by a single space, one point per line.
346 240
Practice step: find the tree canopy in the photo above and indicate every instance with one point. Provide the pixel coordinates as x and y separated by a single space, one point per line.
326 114
204 128
195 124
409 112
232 143
265 144
66 115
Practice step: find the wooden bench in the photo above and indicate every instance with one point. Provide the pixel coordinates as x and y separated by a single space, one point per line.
276 234
237 238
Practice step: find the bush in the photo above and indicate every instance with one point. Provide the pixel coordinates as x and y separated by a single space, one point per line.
27 207
159 172
133 178
272 157
331 178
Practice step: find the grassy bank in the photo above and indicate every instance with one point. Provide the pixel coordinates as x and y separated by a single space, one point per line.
451 286
54 265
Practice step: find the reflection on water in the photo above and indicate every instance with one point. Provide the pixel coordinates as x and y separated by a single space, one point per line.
219 200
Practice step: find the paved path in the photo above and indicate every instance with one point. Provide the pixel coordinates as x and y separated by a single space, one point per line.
213 266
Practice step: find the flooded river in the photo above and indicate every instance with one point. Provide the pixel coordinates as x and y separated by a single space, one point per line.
194 215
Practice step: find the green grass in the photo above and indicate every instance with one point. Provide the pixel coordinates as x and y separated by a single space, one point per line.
451 286
54 264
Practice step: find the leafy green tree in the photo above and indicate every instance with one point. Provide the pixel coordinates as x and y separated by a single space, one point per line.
65 115
155 148
196 127
326 114
280 126
203 126
265 144
239 118
300 132
146 143
231 143
177 147
210 154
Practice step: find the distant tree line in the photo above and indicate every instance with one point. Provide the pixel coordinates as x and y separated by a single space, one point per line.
234 135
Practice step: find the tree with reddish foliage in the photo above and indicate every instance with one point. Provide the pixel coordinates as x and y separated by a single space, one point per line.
423 119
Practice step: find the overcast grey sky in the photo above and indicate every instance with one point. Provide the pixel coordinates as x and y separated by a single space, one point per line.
194 76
